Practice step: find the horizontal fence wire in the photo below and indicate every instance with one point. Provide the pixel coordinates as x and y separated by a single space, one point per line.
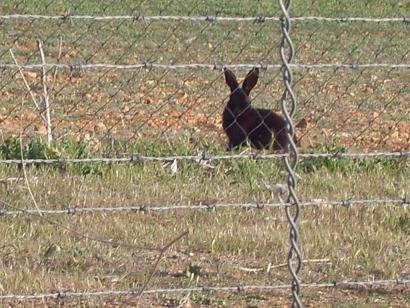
199 66
211 207
203 18
239 288
202 157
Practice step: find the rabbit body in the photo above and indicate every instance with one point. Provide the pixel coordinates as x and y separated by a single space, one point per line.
242 122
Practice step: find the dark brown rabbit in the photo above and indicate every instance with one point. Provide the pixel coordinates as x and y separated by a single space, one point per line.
241 122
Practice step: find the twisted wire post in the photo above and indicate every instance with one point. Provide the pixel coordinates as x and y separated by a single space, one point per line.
288 104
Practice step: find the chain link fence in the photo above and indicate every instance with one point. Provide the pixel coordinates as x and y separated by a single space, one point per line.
120 75
135 77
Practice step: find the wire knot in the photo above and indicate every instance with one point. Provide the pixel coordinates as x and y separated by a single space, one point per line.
404 153
256 155
218 66
260 206
76 67
260 19
263 67
136 158
282 19
337 154
210 207
66 16
204 156
138 17
210 18
147 65
72 210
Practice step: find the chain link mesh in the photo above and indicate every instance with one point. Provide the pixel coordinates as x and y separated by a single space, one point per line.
123 74
137 93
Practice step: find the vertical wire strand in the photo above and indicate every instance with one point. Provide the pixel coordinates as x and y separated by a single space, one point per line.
288 104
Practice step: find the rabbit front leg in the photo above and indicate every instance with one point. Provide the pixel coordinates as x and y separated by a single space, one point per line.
236 137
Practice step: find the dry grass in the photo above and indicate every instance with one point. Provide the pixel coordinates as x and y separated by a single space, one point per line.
161 113
361 243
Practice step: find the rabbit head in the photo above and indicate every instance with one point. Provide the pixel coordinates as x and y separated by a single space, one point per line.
239 100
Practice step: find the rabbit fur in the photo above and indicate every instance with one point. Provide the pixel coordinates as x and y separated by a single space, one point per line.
242 122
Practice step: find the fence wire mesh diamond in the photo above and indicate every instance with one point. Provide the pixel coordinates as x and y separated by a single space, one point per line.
163 125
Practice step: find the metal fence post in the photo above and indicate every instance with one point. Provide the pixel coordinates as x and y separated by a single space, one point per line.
288 104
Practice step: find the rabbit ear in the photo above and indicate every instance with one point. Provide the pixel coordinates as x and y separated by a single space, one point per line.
230 79
250 80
